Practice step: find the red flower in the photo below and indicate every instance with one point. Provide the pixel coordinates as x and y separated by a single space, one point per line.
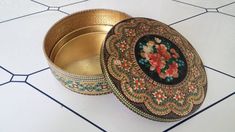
169 92
159 96
157 62
172 71
158 56
138 84
125 64
162 50
179 96
167 56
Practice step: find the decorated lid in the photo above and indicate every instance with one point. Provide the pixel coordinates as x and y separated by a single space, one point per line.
153 69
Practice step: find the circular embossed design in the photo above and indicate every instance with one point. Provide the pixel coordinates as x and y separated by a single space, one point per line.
150 97
160 59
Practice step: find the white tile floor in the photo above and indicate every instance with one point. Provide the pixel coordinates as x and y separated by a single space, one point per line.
166 11
32 100
207 3
23 109
11 9
23 40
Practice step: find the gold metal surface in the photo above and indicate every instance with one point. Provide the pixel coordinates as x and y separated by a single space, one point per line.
80 55
72 48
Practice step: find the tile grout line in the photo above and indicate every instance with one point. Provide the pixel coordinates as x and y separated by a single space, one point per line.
63 12
225 5
188 4
6 70
195 114
20 75
5 83
219 71
11 78
17 82
216 8
74 3
187 18
226 14
12 75
58 6
71 110
39 3
22 16
38 71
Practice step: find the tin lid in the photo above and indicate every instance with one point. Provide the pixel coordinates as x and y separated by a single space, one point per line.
153 69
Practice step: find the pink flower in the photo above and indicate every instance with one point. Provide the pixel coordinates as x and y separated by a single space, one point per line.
147 49
122 46
174 53
130 32
117 62
195 72
192 88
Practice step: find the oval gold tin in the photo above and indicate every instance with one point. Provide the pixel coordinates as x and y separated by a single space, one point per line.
72 48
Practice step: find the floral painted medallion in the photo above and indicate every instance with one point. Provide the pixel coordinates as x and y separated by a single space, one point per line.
160 59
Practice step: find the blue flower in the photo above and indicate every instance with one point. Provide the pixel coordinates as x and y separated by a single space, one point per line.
69 82
181 63
169 79
141 45
142 61
168 46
